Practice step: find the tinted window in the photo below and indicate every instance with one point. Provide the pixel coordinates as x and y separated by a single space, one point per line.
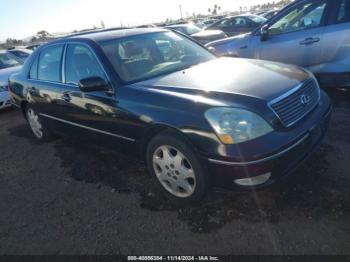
33 74
305 16
344 12
150 55
50 63
225 23
21 54
240 21
81 63
7 60
257 19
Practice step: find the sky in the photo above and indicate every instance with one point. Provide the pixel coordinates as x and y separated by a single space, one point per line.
23 18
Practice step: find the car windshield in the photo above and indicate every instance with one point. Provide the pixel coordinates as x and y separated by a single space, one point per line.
7 60
141 57
257 19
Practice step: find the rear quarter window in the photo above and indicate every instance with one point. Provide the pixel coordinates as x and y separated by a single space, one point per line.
33 73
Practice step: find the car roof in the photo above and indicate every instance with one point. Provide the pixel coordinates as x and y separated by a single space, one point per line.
178 25
115 34
242 15
20 49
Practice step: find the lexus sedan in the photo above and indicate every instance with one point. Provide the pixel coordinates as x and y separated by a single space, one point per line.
195 119
201 35
314 34
9 64
269 14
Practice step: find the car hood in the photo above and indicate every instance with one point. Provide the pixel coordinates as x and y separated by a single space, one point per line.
208 34
253 78
7 72
235 39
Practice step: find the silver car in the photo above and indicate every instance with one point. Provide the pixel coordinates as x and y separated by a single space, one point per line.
9 64
314 34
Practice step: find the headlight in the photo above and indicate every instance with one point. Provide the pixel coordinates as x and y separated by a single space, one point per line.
234 125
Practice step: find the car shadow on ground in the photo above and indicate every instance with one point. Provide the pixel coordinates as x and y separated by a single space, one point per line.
311 193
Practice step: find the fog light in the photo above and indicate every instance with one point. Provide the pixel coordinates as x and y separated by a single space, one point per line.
253 181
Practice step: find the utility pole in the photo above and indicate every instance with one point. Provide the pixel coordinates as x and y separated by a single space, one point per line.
181 11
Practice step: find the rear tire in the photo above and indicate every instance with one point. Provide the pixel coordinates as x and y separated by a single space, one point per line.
39 129
176 168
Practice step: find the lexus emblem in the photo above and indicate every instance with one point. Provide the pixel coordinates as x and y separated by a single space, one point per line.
305 99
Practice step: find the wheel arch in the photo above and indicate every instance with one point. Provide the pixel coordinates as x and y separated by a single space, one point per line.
158 129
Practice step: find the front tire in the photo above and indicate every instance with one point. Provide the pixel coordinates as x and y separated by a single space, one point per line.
40 131
176 168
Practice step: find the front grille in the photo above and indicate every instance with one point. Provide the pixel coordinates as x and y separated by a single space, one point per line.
297 103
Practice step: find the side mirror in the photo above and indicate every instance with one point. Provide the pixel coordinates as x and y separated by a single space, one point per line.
264 33
92 84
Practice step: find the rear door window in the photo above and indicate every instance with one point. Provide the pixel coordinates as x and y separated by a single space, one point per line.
240 22
49 68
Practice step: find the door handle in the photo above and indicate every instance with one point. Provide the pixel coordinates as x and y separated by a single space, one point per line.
66 97
309 41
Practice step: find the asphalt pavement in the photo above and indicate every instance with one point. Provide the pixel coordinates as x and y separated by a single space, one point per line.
65 197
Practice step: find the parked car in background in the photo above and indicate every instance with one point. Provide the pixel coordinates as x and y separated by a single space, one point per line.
32 47
269 14
314 34
260 13
196 120
21 54
9 64
236 25
206 22
200 35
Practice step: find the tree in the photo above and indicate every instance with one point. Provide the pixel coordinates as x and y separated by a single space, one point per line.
10 42
43 35
33 40
215 10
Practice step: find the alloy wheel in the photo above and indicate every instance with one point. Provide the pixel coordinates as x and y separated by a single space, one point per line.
35 123
174 171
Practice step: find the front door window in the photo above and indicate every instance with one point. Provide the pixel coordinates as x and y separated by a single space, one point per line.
305 16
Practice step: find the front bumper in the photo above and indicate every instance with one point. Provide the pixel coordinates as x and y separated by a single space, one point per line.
278 165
